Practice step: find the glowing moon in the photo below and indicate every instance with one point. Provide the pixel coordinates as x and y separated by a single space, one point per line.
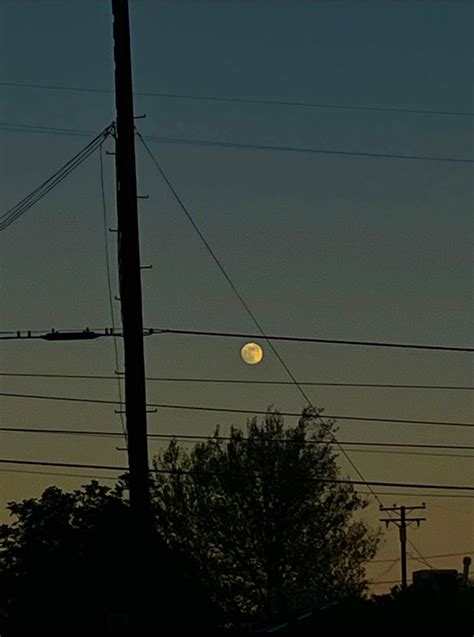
251 353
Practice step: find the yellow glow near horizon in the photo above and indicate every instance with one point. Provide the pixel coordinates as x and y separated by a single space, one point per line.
251 353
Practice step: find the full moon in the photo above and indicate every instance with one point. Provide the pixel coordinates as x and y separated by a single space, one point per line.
251 353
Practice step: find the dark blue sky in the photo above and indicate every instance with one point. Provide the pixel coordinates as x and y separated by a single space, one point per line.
320 245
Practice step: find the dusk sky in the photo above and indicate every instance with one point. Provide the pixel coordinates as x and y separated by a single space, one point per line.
327 246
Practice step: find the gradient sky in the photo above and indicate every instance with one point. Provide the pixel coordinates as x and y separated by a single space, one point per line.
326 246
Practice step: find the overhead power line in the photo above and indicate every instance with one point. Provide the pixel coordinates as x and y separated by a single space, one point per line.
246 100
400 447
318 414
379 483
304 339
235 381
18 128
19 209
351 443
61 474
438 556
157 331
63 335
449 496
414 453
304 149
46 130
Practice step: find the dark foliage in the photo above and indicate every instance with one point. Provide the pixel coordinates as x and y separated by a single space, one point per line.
65 566
264 533
245 532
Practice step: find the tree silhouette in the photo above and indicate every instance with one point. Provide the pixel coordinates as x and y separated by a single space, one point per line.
246 530
65 565
264 533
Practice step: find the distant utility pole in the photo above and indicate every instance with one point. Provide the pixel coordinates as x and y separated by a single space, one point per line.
402 523
130 275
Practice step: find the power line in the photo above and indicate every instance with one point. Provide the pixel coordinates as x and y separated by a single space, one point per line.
246 100
244 382
19 128
380 483
46 130
358 443
97 477
470 552
239 411
157 331
304 149
24 205
191 438
305 339
414 453
58 474
16 211
57 335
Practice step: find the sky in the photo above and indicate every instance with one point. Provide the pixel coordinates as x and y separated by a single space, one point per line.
329 246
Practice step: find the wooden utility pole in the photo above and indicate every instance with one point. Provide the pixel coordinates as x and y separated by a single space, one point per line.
402 523
130 275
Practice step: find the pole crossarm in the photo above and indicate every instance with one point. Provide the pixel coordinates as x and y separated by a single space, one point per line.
402 523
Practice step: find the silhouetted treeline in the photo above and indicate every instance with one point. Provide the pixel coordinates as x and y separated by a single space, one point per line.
246 533
67 565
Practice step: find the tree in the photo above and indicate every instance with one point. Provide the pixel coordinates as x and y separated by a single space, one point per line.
255 517
249 523
65 566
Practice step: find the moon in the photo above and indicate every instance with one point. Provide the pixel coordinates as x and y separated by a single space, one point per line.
251 353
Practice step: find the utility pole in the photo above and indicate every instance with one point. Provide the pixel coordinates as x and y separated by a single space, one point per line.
138 556
402 522
130 275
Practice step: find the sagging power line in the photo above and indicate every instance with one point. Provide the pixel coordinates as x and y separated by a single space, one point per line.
400 447
245 100
68 334
448 496
248 146
191 474
437 556
318 413
237 381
